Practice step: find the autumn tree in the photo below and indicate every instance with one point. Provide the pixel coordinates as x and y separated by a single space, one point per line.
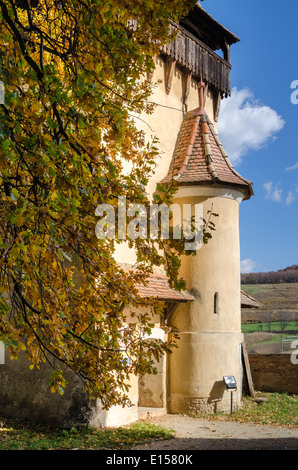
284 319
75 74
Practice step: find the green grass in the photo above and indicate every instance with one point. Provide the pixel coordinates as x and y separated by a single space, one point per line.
253 289
263 327
279 409
15 435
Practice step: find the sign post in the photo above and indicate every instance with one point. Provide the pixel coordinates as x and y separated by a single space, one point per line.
231 385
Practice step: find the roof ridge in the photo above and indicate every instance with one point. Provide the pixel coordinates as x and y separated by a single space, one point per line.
224 153
199 156
207 148
189 148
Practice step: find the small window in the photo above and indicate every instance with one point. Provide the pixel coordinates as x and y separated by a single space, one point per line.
215 307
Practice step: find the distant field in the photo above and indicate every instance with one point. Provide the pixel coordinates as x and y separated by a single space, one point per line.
276 299
279 303
277 295
255 289
274 328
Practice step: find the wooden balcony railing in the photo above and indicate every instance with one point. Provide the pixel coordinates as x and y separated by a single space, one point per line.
200 60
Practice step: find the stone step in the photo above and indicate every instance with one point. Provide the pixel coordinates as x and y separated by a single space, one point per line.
146 412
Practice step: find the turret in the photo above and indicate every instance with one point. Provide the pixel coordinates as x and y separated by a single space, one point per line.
191 77
209 327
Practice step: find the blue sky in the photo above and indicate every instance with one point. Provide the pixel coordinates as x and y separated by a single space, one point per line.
258 126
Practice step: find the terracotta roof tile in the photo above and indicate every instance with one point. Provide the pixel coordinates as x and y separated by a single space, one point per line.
157 286
199 157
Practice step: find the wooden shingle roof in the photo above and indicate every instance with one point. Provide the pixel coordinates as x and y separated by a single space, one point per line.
249 302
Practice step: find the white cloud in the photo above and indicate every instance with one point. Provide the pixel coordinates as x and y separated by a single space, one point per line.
247 266
290 198
273 192
292 195
291 168
245 124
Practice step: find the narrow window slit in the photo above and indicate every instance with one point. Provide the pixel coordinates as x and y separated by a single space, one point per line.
215 308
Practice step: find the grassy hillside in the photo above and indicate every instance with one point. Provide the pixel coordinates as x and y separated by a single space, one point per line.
278 300
279 309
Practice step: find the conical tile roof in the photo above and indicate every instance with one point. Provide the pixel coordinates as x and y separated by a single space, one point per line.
199 157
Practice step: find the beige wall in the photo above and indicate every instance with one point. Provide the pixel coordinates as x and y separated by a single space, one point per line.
25 393
216 268
117 415
209 345
164 124
150 390
169 113
152 387
197 368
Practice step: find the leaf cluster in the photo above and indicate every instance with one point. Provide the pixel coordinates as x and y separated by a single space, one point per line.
75 75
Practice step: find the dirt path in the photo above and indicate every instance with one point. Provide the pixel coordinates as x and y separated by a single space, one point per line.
198 434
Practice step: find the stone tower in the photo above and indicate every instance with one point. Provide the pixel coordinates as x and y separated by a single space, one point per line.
194 76
210 326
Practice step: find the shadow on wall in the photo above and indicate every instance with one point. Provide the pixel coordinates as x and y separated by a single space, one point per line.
216 394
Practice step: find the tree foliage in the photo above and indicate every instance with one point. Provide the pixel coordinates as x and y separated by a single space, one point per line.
75 73
287 275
